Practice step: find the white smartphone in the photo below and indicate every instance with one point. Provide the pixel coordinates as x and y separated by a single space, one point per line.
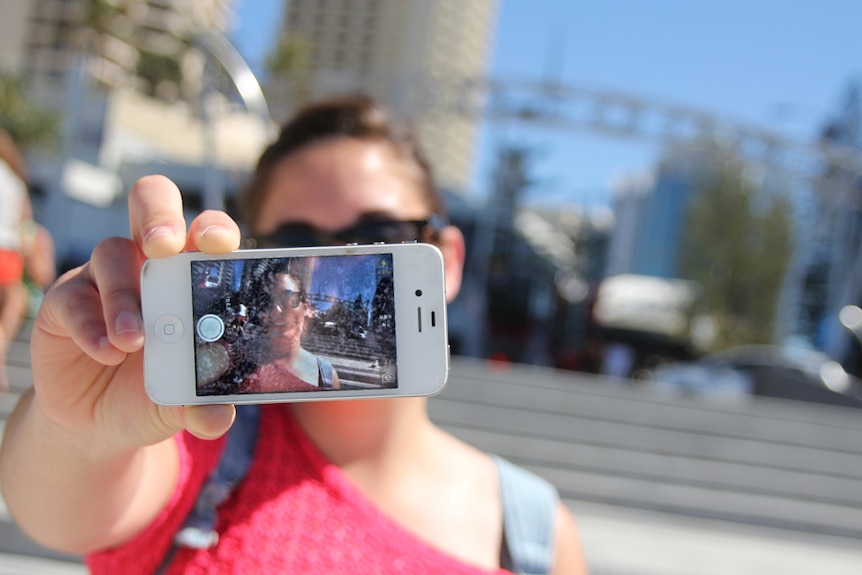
297 324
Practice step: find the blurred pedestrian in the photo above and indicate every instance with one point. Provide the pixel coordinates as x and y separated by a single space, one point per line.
24 246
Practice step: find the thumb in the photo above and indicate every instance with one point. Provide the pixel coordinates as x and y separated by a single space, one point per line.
208 421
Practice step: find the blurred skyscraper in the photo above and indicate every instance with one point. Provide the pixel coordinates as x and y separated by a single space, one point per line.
132 42
650 208
407 53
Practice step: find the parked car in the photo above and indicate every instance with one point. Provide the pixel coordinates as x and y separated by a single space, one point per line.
702 378
788 372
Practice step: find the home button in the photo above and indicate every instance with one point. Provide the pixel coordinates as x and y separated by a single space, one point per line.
169 329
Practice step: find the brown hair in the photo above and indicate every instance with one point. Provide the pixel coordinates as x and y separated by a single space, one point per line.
357 117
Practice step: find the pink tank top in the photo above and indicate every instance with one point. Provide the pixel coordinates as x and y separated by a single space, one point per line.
294 513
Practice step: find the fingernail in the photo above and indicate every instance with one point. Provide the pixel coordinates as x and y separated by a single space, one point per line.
158 232
210 230
127 323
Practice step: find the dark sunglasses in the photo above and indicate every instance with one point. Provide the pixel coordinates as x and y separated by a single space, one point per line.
288 299
366 231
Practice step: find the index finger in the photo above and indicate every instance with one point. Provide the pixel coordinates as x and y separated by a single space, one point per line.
156 217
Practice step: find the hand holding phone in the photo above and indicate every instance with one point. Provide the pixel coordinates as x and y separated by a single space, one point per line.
88 338
303 324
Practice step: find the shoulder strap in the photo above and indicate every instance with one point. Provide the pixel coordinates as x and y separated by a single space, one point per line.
529 507
324 380
198 530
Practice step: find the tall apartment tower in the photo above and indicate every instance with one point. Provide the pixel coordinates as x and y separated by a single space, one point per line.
40 39
407 53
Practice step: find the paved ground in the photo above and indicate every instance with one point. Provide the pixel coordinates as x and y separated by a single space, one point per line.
16 564
658 486
625 542
630 542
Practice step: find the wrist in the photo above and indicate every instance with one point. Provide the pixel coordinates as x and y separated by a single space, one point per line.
83 443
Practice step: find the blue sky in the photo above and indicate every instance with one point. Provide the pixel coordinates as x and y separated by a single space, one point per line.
780 64
345 278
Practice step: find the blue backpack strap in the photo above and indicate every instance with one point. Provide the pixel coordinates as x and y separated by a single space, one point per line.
529 510
324 380
198 530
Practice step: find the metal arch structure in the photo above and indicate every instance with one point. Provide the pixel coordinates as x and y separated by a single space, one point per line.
218 48
575 107
240 73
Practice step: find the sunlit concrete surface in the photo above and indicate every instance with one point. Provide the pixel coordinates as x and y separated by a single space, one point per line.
629 542
15 564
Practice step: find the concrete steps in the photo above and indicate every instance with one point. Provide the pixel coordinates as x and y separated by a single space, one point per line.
776 463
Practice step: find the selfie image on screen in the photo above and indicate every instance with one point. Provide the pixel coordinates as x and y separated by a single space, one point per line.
294 324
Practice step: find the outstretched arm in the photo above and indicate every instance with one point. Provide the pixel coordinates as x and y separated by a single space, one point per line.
87 460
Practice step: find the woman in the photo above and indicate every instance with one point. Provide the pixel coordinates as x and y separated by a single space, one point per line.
290 366
89 465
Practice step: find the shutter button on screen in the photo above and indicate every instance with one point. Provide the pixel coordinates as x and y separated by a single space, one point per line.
210 327
169 329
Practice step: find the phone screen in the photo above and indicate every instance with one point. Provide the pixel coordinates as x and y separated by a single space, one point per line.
276 325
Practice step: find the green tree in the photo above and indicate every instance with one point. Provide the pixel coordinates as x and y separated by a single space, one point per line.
736 244
28 123
291 60
95 26
98 15
158 68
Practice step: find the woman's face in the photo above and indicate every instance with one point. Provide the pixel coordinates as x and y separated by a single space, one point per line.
331 185
286 315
